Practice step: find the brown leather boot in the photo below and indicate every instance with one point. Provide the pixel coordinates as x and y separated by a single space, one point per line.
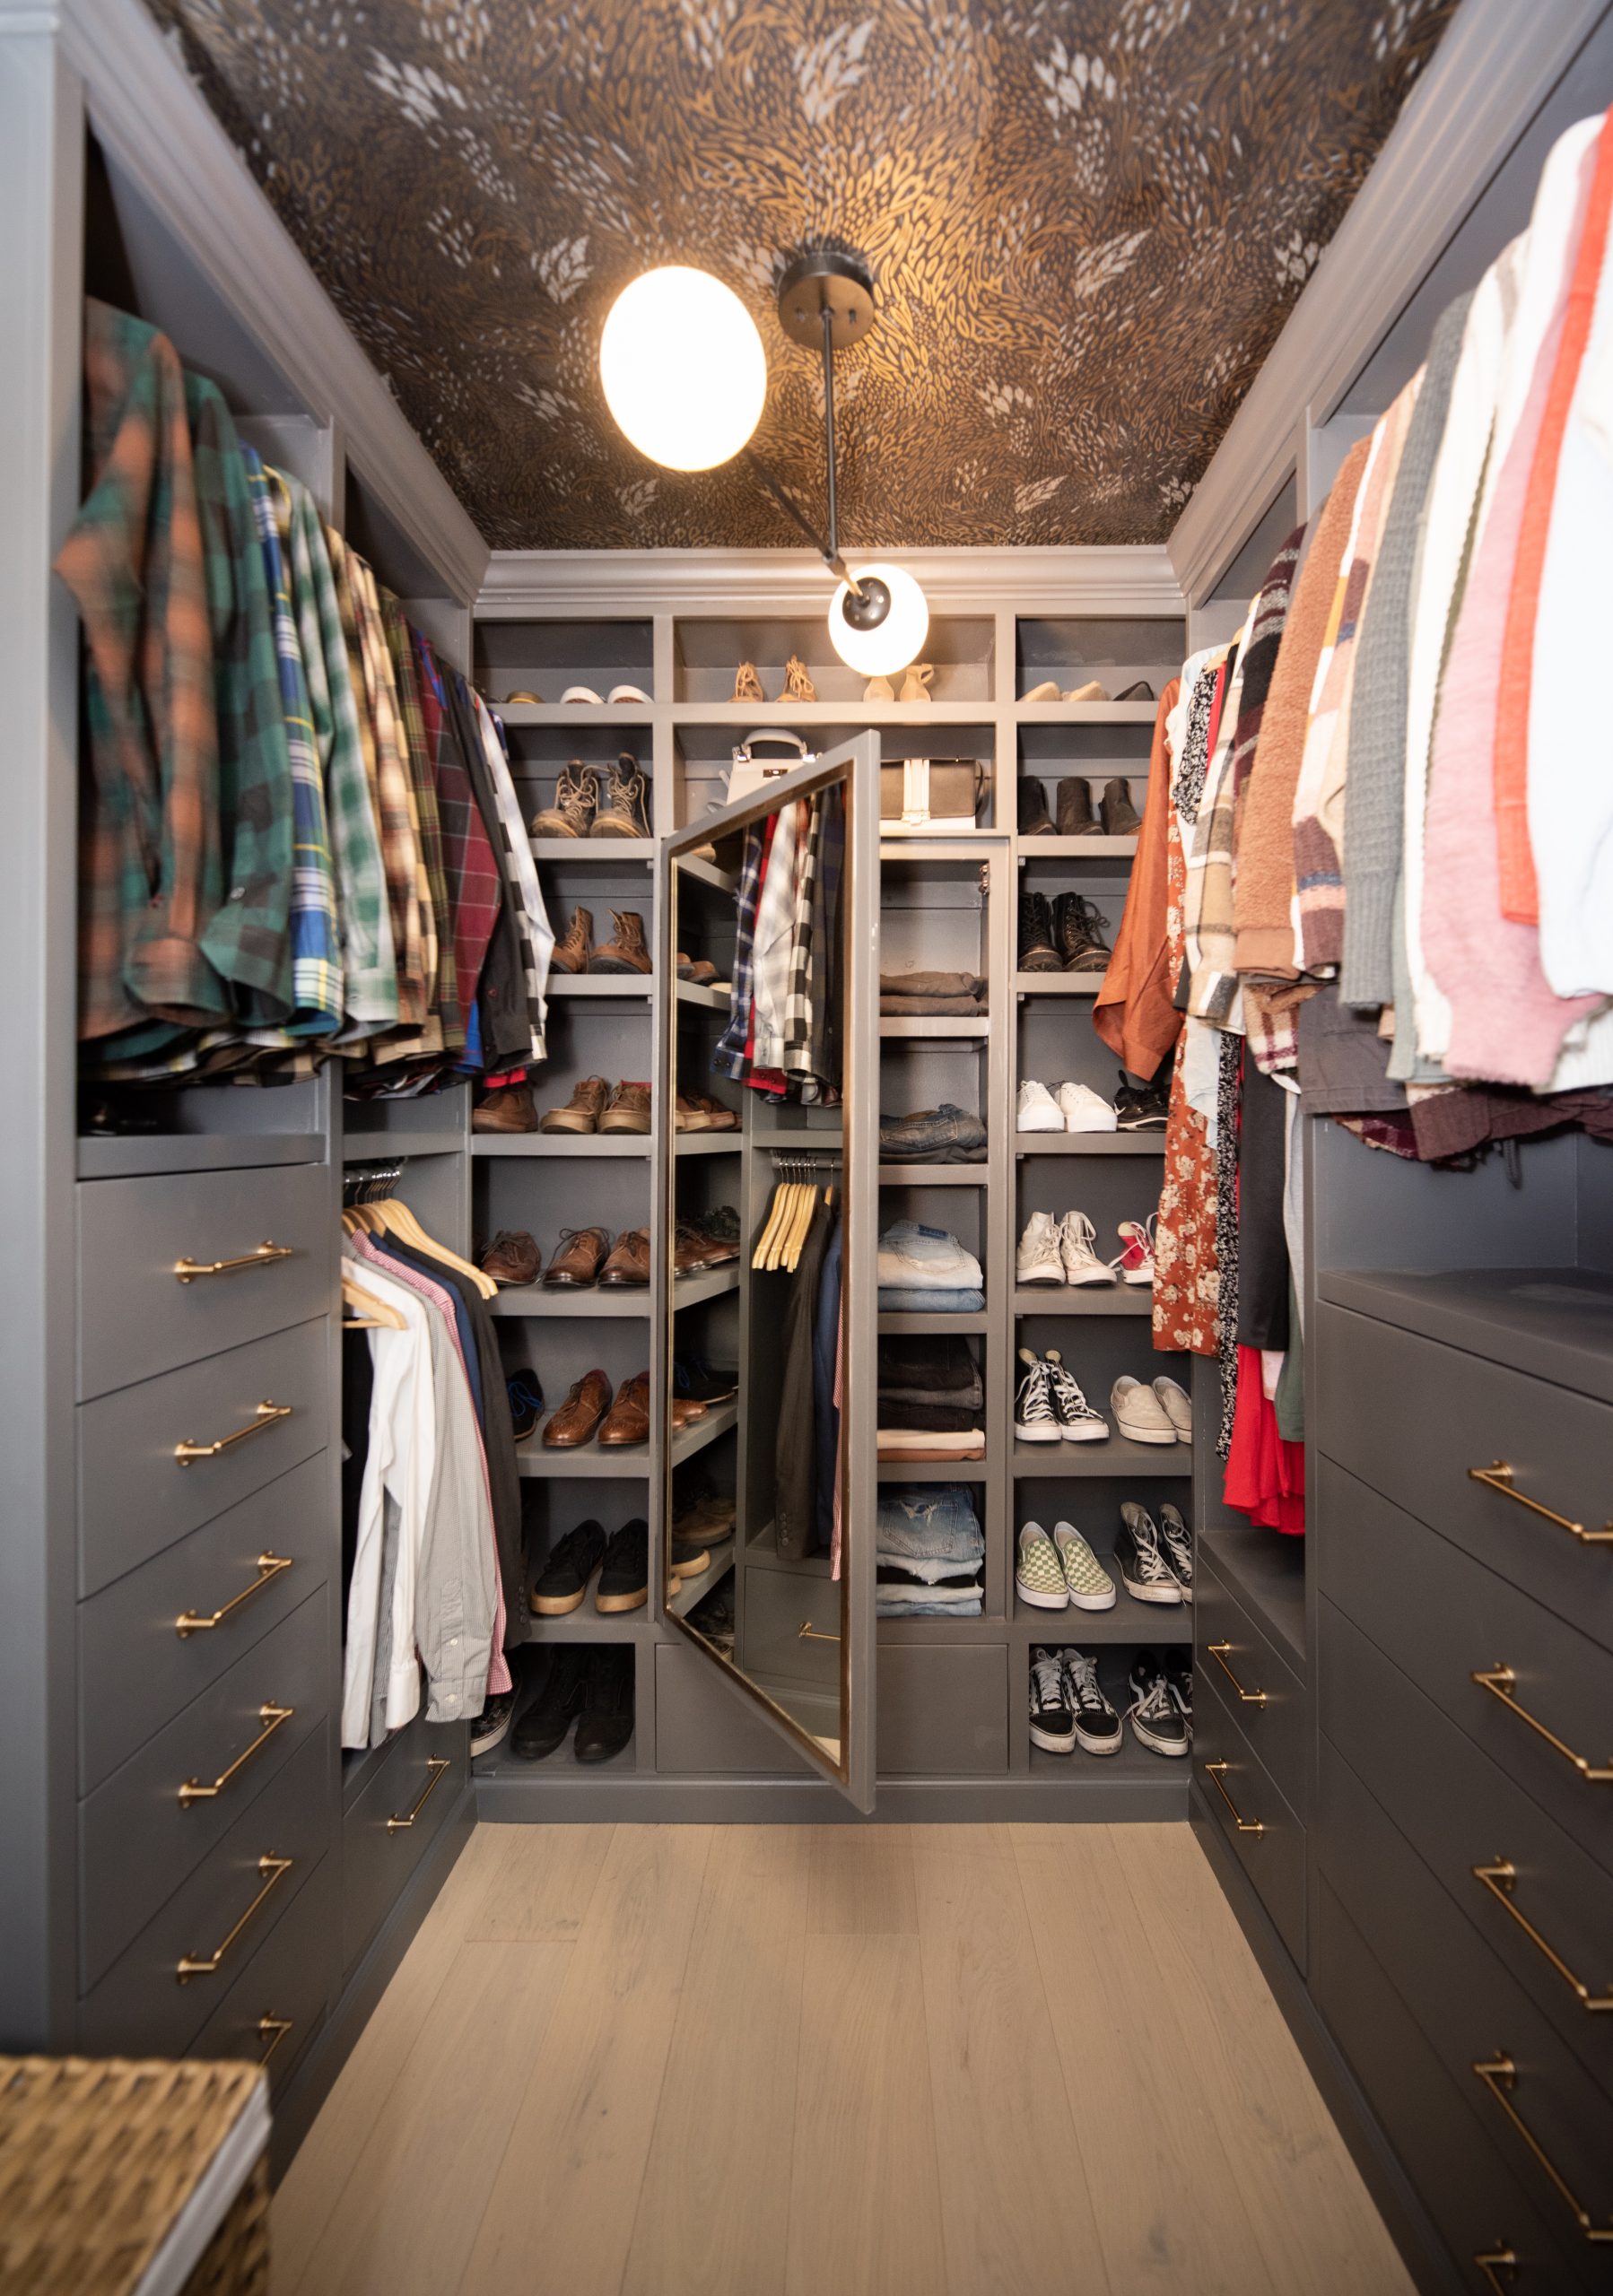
575 952
512 1258
576 801
629 1110
1120 816
620 809
628 1419
629 1262
576 1263
582 1111
508 1110
625 951
1075 807
588 1399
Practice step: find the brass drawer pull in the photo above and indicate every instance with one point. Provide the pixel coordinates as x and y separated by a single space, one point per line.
1219 1651
272 1717
1501 1682
274 2030
808 1632
264 1416
1499 2075
194 1964
1498 2259
1499 1476
1217 1771
435 1766
266 1254
1499 1879
269 1566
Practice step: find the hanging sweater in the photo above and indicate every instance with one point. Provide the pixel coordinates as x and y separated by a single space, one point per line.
1262 909
1135 1014
1377 747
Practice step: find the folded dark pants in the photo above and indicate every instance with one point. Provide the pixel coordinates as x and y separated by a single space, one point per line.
928 1418
937 1367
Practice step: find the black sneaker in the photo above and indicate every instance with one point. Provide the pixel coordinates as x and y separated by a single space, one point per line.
1145 1572
693 1380
1177 1541
526 1403
1036 950
1097 1725
722 1225
1052 1718
1140 1108
541 1726
624 1574
1156 1717
606 1724
562 1582
1178 1675
491 1726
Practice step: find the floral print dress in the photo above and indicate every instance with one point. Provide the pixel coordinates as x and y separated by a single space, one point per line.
1186 1268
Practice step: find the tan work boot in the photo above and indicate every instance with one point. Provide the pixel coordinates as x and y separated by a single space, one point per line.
574 953
508 1110
582 1111
625 951
620 810
629 1110
576 803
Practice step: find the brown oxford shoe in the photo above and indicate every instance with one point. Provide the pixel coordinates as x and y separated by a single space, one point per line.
508 1110
577 1261
628 1421
629 1262
512 1258
582 1111
587 1401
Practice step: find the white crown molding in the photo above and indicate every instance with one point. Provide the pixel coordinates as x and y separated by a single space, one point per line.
1490 73
1130 581
148 114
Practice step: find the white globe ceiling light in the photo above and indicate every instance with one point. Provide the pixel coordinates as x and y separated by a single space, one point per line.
883 629
682 368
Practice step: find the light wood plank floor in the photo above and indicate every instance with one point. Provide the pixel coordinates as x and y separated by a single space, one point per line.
828 2061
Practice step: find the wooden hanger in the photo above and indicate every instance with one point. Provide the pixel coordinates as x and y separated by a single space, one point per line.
396 1216
376 1315
806 1212
765 1241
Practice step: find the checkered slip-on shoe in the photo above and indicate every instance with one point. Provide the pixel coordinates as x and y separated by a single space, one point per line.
1038 1573
1090 1587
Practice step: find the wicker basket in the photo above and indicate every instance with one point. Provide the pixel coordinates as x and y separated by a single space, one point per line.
98 2159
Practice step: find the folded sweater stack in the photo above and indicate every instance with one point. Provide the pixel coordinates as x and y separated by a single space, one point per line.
928 1548
931 1401
921 994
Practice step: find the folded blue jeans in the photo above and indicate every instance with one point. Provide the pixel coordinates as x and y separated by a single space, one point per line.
934 1521
917 1300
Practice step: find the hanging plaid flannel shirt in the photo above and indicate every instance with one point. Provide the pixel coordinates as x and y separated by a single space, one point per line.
467 857
728 1059
424 782
798 994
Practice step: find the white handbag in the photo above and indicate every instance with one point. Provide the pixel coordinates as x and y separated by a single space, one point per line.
749 774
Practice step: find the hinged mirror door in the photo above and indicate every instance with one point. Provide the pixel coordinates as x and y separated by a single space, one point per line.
767 1146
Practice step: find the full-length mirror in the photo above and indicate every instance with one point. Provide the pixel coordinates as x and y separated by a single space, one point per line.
758 1227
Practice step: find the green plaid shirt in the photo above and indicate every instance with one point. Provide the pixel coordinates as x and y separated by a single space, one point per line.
425 779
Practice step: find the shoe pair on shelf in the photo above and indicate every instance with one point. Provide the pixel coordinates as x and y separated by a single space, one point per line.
587 1410
705 1239
595 1106
1061 1251
590 1684
699 972
1061 1107
1065 935
1155 1411
591 802
1050 1406
798 682
622 1561
1050 690
702 1517
915 685
616 698
1154 1560
625 951
699 1112
1069 1707
1117 816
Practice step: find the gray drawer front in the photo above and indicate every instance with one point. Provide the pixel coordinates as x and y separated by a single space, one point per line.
1442 1617
1410 1417
378 1861
137 1839
704 1726
1275 1858
291 1982
1477 2203
135 1498
136 1317
943 1710
776 1603
140 2008
1468 2006
139 1671
1276 1727
1458 1811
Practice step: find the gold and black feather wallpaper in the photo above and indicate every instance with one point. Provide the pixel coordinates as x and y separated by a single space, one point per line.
1087 221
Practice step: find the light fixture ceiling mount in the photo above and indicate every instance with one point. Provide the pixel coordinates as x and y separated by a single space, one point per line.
832 280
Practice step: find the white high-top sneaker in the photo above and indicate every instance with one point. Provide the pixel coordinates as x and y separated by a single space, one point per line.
1077 1236
1039 1260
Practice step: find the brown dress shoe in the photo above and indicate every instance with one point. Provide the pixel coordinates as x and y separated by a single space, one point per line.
698 969
582 1111
588 1399
628 1110
717 1118
685 1410
629 1262
575 951
625 951
512 1258
620 810
576 1264
1075 807
628 1420
508 1110
692 1250
576 802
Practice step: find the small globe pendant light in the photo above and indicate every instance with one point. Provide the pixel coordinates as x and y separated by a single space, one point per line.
883 628
682 368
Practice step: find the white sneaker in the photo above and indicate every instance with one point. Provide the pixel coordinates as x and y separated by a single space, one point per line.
1135 1258
1078 1422
1077 1236
1035 1418
1038 1111
1178 1407
1039 1260
1139 1413
1083 1111
1090 1587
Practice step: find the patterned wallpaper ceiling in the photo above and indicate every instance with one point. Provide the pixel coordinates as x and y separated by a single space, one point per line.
1087 220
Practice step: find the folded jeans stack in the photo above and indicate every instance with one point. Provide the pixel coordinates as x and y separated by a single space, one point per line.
928 1547
931 1400
947 1135
920 994
926 1270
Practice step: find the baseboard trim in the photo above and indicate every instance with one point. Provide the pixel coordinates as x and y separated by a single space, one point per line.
1409 2227
639 1800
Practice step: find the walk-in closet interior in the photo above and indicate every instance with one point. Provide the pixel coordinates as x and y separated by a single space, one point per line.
808 1394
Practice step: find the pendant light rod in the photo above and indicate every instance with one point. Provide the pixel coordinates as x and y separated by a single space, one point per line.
836 563
832 557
